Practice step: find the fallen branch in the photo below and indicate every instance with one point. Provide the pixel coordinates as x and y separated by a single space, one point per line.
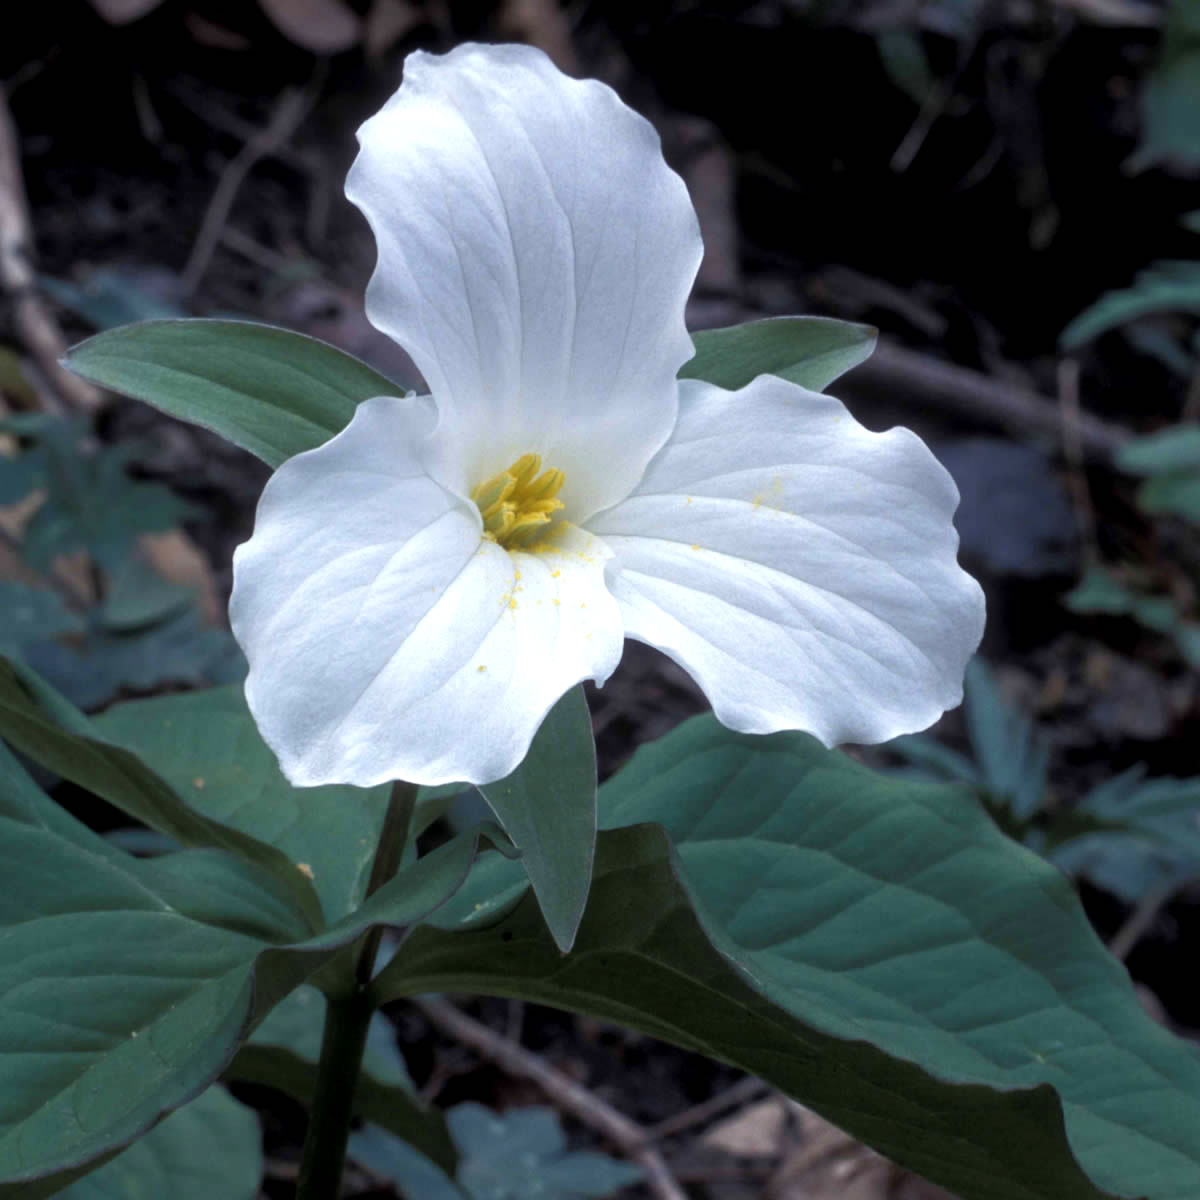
629 1137
980 398
290 109
32 320
737 1094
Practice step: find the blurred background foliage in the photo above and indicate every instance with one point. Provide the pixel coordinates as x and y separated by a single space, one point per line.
1006 188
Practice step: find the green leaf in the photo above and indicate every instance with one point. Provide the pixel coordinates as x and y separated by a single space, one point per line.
1100 591
548 807
210 1148
138 596
272 392
390 1157
1154 836
206 746
92 502
1171 96
180 650
44 726
126 984
1177 494
523 1152
32 614
904 59
810 351
1171 460
504 1156
1164 287
285 1049
1013 758
108 298
18 476
934 762
877 949
1173 449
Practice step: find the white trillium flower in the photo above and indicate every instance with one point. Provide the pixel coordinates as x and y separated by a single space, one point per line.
421 589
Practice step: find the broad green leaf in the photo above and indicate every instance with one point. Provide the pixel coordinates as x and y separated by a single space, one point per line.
33 424
206 746
548 807
1171 97
284 1051
209 1149
110 297
272 392
127 984
905 61
503 1156
138 596
296 1025
18 475
1013 758
523 1152
44 726
1173 449
91 501
179 650
1147 834
1099 591
810 351
414 1174
935 762
1162 288
876 948
1177 493
30 614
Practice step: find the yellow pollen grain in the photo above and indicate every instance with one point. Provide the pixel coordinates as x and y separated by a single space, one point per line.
481 667
557 602
555 574
695 546
512 604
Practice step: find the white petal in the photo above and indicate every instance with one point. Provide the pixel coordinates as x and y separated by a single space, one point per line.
387 638
535 254
801 568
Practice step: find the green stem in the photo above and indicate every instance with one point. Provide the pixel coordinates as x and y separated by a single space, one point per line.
347 1018
393 837
346 1022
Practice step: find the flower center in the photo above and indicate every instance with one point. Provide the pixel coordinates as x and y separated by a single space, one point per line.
517 503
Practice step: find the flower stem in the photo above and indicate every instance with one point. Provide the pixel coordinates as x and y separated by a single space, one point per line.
347 1018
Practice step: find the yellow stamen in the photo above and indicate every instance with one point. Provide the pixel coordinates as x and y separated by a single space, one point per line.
518 503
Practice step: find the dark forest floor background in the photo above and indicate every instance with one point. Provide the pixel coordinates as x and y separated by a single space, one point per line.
970 176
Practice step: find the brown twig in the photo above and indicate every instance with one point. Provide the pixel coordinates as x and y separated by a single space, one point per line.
1081 496
290 109
32 320
629 1137
1138 923
739 1093
981 398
